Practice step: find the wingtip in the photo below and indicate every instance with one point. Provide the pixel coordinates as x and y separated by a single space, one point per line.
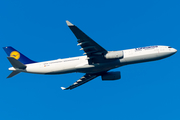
63 88
69 23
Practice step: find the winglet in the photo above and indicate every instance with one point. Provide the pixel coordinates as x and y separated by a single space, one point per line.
63 88
69 23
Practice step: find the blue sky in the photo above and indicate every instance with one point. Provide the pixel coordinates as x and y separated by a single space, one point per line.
37 28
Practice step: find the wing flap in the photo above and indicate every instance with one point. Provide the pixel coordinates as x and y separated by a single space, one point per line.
86 78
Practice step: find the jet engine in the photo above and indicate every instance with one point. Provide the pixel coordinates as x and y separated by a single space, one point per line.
111 76
114 55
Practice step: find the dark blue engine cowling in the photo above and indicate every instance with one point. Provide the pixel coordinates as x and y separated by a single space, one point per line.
111 76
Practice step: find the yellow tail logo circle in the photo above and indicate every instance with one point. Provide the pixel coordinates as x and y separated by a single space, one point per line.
15 55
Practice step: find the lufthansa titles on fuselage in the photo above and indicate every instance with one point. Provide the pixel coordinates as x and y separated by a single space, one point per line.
145 48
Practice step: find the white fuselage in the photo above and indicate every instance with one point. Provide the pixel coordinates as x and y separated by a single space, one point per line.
80 64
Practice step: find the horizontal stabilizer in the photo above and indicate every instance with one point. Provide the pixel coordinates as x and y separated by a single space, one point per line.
15 63
13 74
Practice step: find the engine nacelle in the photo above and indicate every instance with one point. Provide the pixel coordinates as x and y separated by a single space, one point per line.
111 76
114 55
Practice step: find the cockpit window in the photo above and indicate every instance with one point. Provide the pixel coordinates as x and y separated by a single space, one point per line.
169 47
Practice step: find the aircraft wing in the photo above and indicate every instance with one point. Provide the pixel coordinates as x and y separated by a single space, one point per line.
94 51
86 78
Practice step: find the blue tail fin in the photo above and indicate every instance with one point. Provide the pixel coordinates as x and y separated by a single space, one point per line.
11 52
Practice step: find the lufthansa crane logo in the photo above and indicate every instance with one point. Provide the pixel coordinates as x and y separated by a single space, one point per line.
15 55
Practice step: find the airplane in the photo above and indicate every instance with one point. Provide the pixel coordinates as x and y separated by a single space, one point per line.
96 61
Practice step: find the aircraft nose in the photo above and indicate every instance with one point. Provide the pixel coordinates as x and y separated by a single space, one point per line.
173 50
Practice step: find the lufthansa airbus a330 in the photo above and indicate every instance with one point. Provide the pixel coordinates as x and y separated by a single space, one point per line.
96 61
